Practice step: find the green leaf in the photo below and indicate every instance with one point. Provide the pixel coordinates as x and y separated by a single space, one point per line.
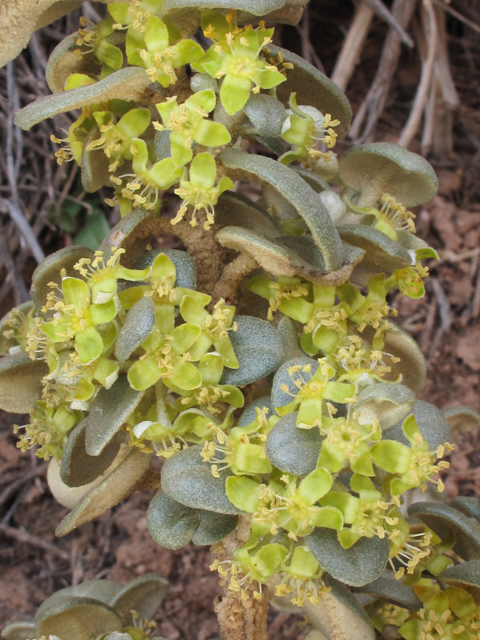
392 456
133 473
125 84
172 525
79 618
138 326
95 229
392 591
443 519
357 566
189 480
298 193
234 92
312 88
266 113
431 423
243 493
89 345
258 349
49 270
315 486
110 410
144 595
143 374
20 382
134 123
211 134
385 167
156 35
186 376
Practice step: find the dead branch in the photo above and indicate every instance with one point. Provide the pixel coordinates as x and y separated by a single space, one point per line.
389 17
352 46
421 96
374 103
22 536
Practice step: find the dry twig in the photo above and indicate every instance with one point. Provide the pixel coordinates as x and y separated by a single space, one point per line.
415 117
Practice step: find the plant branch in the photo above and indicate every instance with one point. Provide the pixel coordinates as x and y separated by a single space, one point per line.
232 276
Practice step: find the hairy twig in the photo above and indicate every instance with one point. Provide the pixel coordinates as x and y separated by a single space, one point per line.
232 276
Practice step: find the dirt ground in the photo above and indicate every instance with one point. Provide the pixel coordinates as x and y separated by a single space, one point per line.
446 323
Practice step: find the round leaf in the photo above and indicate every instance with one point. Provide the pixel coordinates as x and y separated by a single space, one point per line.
291 449
258 348
357 566
189 480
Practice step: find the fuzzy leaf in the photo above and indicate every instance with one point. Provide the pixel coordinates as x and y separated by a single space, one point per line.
49 271
20 382
442 519
266 113
431 423
133 473
173 525
125 84
63 62
108 413
249 414
298 193
387 403
189 480
381 253
384 167
237 210
258 348
77 467
94 164
79 618
412 366
462 575
138 326
357 566
274 258
143 595
291 449
313 88
460 418
281 398
392 591
19 631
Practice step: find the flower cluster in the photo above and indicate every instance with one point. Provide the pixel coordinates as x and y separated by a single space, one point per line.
79 333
